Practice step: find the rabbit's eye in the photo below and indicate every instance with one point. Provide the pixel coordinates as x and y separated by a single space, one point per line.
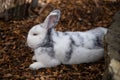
35 34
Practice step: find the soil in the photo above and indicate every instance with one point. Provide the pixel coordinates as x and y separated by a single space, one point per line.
16 56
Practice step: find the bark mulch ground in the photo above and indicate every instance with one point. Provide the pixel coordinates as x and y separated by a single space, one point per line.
15 55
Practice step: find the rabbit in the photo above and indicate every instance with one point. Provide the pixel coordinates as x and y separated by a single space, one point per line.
52 48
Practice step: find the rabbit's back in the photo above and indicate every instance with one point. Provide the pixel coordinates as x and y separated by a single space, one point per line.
89 39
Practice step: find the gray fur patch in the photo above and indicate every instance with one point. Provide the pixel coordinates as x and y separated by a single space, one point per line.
48 51
73 43
98 42
69 52
81 40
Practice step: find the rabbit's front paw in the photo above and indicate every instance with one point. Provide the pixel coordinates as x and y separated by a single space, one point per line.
33 58
36 66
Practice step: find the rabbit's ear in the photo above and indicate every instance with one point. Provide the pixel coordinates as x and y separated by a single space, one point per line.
52 19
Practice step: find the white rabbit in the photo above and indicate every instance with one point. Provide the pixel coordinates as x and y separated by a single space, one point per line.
51 48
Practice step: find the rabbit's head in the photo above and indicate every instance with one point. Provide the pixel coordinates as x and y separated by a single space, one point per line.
37 34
